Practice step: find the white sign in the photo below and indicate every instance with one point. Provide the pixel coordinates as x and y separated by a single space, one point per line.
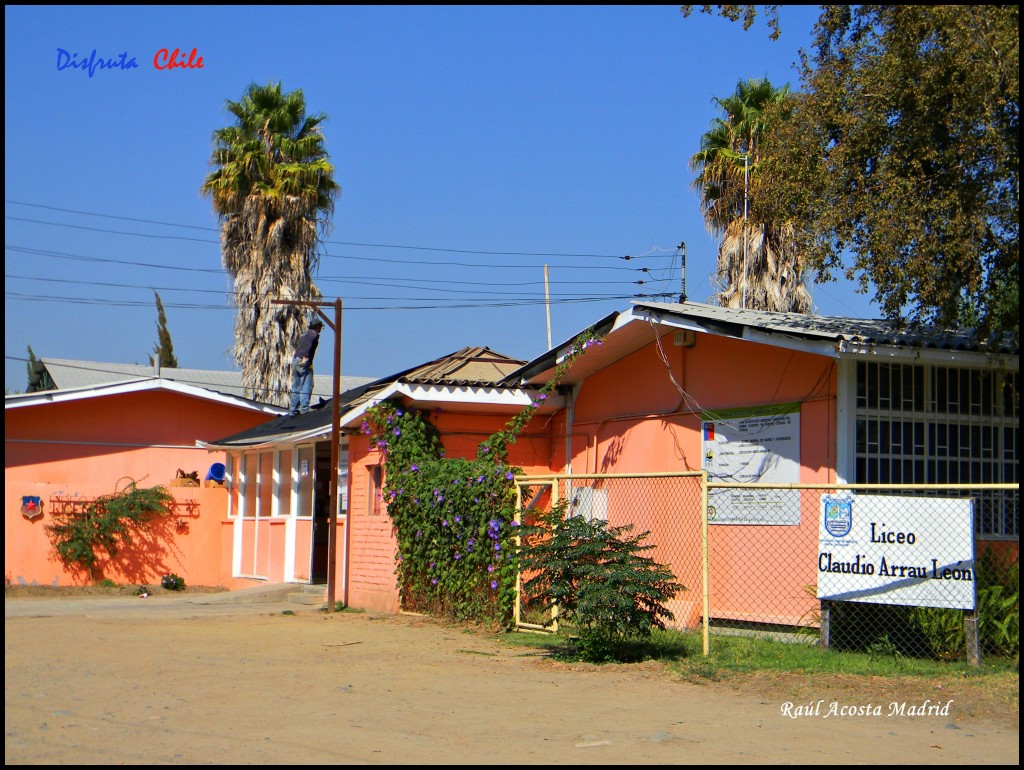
761 444
914 551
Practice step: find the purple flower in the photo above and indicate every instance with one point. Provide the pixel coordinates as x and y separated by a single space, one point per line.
490 568
398 432
431 565
542 396
494 585
471 542
458 556
510 475
479 479
381 444
444 522
485 449
458 519
398 412
497 546
413 468
433 582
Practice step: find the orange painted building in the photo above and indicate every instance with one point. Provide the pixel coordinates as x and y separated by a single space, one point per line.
467 402
68 447
863 403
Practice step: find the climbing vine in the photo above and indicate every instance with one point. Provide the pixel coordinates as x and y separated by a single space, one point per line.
454 518
85 541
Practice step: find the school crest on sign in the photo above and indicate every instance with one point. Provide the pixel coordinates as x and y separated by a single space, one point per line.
31 507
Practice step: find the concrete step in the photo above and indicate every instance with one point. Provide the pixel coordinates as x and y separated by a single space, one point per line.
309 595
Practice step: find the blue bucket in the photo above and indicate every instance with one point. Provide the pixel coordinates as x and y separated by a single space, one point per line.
217 471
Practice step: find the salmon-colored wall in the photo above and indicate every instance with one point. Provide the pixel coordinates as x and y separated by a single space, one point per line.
91 447
632 418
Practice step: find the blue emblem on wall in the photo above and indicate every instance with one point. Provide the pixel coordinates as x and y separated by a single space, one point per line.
31 507
838 516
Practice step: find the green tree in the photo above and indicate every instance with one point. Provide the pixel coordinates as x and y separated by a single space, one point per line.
273 189
759 265
164 350
899 163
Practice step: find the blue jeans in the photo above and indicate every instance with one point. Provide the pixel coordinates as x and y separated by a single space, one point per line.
302 386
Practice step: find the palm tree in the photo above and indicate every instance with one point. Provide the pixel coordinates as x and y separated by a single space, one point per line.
273 190
758 265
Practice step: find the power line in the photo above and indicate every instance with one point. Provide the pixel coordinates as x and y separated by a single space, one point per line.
442 249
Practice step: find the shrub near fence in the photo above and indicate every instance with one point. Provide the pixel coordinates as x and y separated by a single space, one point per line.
762 577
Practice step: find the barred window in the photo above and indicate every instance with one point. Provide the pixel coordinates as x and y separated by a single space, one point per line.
925 424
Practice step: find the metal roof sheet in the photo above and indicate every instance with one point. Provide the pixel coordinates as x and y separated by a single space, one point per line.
859 331
471 367
69 374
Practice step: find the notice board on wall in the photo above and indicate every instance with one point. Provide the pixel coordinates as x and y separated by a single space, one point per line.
755 445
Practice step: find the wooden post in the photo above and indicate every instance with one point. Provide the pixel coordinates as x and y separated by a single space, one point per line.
825 640
335 499
332 534
971 633
547 304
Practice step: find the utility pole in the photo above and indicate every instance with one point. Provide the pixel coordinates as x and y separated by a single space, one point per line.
547 304
335 501
746 158
682 250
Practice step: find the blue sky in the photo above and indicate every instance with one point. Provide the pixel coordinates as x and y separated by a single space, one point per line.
473 145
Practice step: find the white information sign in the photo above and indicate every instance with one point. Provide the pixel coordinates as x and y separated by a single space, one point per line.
760 444
914 551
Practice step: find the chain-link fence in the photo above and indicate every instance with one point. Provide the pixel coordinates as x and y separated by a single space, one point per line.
885 569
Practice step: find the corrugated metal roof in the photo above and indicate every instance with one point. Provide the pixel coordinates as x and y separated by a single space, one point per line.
69 374
473 366
823 335
856 331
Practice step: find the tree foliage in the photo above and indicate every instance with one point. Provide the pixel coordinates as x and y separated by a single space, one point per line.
273 189
163 352
899 162
759 266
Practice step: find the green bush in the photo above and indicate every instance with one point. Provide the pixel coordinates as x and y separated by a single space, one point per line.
935 632
998 586
599 581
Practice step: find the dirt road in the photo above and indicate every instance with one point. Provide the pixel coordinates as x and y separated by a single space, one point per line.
110 681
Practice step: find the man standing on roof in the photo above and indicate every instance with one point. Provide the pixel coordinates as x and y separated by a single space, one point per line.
302 366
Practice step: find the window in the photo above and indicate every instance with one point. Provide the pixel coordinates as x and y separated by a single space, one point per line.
374 501
924 424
